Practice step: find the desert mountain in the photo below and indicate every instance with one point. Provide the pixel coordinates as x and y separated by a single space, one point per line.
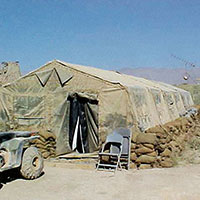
167 75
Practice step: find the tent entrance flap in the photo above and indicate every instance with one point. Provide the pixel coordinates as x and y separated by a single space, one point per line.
83 124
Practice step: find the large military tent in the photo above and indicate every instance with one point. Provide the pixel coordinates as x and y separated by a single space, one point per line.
80 104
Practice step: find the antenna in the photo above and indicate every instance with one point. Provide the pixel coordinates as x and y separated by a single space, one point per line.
183 60
186 75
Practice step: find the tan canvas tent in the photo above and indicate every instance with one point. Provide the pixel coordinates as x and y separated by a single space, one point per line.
9 71
81 105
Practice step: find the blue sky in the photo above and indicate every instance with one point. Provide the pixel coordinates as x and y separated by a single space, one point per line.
109 34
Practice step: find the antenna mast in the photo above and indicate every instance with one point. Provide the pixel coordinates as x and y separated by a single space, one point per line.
186 76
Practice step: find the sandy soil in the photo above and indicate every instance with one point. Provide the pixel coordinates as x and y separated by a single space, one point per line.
69 182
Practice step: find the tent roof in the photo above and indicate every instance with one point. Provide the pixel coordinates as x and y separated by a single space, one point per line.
123 79
112 77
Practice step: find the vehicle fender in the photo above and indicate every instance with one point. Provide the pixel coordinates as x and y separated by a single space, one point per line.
15 148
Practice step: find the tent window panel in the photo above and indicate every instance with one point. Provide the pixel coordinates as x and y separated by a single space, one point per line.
188 99
168 98
53 82
24 104
139 95
184 100
64 75
156 97
44 76
143 122
21 105
140 99
33 102
177 98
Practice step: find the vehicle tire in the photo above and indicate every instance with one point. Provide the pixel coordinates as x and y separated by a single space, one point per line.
32 163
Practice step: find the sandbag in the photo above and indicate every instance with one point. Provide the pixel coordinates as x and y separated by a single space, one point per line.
166 153
143 150
166 163
145 166
145 159
146 138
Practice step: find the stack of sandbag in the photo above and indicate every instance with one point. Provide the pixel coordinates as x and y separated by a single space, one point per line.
143 152
158 146
46 144
171 139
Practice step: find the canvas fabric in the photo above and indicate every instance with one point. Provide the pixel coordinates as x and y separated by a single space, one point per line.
39 100
9 71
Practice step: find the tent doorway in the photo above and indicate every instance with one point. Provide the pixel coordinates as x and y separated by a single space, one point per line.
83 123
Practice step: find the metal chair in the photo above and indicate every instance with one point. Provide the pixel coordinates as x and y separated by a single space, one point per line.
126 146
113 145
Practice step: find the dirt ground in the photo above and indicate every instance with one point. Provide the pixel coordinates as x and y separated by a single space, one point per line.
66 181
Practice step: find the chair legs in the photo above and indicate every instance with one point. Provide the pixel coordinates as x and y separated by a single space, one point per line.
111 166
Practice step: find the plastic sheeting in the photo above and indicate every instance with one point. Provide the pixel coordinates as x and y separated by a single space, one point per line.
83 123
78 126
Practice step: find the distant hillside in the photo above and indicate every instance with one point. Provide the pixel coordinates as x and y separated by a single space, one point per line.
167 75
194 91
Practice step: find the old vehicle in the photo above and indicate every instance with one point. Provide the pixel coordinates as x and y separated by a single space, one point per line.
16 152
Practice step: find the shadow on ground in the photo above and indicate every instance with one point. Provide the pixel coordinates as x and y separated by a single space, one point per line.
10 176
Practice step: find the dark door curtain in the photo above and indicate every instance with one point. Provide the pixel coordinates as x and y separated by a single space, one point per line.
83 124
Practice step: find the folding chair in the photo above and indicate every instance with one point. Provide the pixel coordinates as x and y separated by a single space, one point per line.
126 146
113 145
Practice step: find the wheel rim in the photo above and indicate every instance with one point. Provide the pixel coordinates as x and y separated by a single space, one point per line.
36 163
